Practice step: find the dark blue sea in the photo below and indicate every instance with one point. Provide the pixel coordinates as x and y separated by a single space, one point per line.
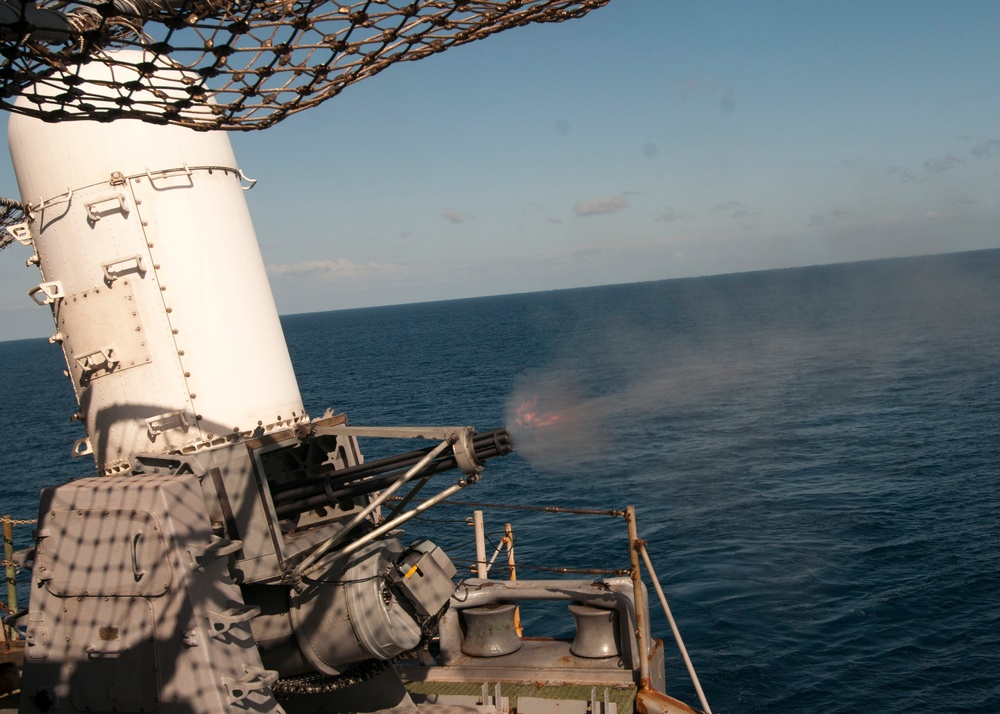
814 455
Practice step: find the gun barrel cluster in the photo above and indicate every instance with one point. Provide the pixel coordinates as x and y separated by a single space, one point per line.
291 499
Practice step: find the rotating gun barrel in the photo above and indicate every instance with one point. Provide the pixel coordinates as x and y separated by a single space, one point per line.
293 498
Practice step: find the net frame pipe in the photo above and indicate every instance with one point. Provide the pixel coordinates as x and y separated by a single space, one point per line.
400 520
306 565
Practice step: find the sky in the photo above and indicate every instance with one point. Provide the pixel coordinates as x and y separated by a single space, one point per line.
651 139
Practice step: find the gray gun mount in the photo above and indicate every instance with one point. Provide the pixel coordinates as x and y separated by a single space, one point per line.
180 587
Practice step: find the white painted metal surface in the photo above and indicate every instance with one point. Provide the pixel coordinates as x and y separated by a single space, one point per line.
159 293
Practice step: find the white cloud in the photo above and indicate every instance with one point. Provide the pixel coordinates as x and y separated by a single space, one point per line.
670 215
453 216
338 269
985 148
939 165
723 91
597 206
687 87
902 173
830 217
735 209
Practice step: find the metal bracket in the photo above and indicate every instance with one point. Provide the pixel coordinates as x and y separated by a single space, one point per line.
61 198
94 215
250 182
137 572
50 292
116 268
37 643
81 447
222 622
169 173
203 555
111 650
256 680
99 359
20 232
179 419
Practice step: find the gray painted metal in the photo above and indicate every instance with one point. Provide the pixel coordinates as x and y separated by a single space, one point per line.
132 607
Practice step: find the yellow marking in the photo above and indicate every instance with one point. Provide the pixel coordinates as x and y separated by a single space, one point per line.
412 571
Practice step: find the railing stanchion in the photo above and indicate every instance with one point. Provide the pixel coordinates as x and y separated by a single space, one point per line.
674 629
477 522
641 626
8 558
508 536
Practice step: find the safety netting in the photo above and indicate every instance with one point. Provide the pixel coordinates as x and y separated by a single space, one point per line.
228 64
11 212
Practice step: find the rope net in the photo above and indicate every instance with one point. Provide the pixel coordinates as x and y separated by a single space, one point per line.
228 64
11 212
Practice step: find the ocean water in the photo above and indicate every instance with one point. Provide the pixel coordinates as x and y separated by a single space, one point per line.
813 454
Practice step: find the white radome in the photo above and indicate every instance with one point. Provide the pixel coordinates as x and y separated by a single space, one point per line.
147 227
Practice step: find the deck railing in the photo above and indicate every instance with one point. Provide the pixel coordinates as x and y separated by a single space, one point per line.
637 551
